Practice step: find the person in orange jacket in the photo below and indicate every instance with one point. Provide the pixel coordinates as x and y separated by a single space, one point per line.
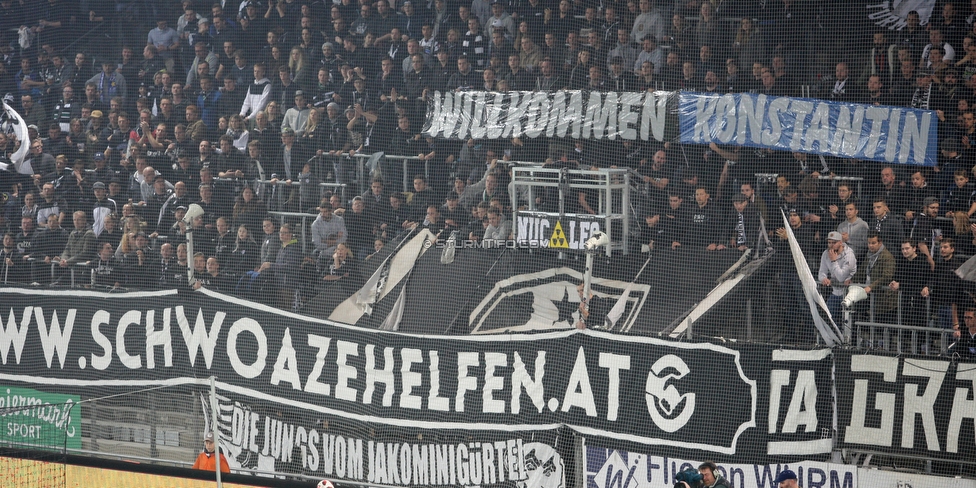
205 460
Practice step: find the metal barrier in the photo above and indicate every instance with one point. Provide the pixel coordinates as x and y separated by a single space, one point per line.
278 195
365 166
407 177
613 203
930 339
770 178
904 339
300 215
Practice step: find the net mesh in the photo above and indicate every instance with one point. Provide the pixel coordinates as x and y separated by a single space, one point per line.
877 55
165 424
358 162
35 438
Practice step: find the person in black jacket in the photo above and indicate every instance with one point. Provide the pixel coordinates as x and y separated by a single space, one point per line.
246 255
167 271
742 224
465 78
711 477
886 223
284 270
965 346
214 279
105 268
945 287
620 78
703 228
912 273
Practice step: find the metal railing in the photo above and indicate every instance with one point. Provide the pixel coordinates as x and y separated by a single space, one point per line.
770 178
930 339
611 184
407 177
277 201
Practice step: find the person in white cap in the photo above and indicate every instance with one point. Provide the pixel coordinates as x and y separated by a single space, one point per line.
205 460
837 267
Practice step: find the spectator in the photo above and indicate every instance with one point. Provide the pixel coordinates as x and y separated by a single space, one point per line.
912 274
837 267
245 256
621 79
926 229
208 99
168 272
109 83
961 196
529 55
66 109
498 229
340 272
270 242
965 346
105 268
258 94
650 23
853 229
102 207
296 117
166 41
230 102
80 243
703 228
284 270
196 129
499 45
744 224
548 80
875 271
33 113
48 245
326 227
945 287
474 44
206 460
887 224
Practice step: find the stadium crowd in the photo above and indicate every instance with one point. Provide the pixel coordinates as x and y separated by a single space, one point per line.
246 107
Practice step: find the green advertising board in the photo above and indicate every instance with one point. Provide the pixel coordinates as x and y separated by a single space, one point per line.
31 418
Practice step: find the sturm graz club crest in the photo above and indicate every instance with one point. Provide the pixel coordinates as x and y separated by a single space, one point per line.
548 300
893 14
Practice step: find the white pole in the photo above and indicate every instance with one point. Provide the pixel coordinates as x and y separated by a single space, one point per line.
189 254
587 281
213 425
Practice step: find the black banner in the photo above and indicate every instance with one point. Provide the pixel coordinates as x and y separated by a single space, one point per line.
543 230
750 402
906 405
257 438
572 114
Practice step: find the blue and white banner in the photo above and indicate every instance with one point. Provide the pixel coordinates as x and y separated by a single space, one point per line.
849 130
616 468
